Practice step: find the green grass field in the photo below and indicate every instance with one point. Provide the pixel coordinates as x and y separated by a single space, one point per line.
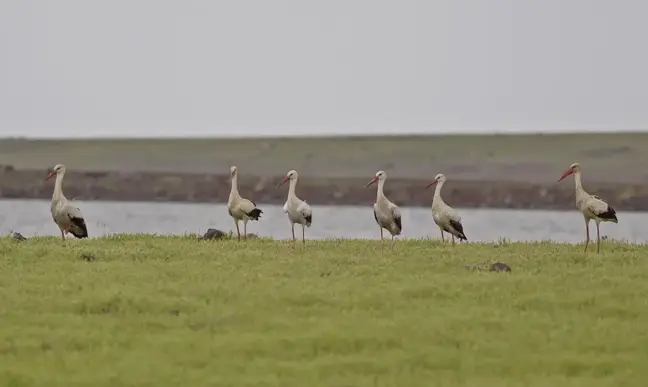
158 311
538 158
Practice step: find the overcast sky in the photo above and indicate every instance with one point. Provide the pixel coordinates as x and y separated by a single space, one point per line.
239 67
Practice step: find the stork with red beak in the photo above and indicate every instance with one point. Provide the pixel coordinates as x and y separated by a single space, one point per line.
299 212
66 215
591 206
386 213
240 209
445 216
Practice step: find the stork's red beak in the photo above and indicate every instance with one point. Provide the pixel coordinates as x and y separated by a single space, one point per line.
285 179
566 173
431 184
375 179
50 175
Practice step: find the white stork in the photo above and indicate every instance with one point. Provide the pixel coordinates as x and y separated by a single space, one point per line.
591 206
445 216
298 210
66 215
386 213
240 208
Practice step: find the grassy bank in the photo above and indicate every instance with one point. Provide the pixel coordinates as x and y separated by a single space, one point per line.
153 311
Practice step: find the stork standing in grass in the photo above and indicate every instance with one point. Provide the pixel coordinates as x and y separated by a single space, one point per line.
591 206
65 214
298 210
445 216
386 213
241 209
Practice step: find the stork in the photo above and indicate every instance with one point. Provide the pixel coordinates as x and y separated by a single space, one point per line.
66 215
445 216
592 206
241 209
298 210
386 213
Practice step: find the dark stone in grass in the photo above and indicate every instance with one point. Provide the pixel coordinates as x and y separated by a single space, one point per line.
18 236
213 233
87 257
499 266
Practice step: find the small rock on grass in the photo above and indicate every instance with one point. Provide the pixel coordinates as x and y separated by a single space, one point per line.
499 266
18 236
213 233
87 257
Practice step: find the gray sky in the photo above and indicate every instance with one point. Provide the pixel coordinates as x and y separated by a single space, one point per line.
171 68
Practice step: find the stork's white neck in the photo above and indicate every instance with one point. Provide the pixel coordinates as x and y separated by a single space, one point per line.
437 191
379 192
58 187
234 191
291 188
578 183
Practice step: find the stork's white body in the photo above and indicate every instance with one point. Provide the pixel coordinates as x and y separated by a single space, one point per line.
66 215
298 211
591 206
445 217
386 213
240 209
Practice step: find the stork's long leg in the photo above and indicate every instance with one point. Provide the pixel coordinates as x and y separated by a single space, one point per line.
62 235
381 234
587 237
392 242
598 239
245 229
238 232
303 234
453 240
442 237
293 232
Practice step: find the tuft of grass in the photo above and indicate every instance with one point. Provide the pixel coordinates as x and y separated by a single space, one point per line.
170 311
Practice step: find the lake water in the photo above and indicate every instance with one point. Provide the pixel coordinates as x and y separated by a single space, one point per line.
32 217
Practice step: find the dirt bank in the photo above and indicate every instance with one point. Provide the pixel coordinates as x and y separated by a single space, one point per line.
197 187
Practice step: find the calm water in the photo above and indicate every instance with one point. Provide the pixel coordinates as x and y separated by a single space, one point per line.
32 217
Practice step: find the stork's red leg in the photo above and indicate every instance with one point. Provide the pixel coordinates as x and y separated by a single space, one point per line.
238 233
598 239
587 237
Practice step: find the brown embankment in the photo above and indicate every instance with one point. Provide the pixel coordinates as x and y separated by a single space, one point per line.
195 187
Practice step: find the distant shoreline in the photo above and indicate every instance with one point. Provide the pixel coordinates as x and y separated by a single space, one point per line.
484 171
210 188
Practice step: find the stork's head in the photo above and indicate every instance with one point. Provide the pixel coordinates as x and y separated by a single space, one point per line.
380 175
59 169
575 167
233 170
291 175
440 178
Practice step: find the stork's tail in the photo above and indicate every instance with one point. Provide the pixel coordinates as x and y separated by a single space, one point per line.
255 214
609 215
459 228
81 230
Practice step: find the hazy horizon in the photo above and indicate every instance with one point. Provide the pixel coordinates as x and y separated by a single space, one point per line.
162 68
